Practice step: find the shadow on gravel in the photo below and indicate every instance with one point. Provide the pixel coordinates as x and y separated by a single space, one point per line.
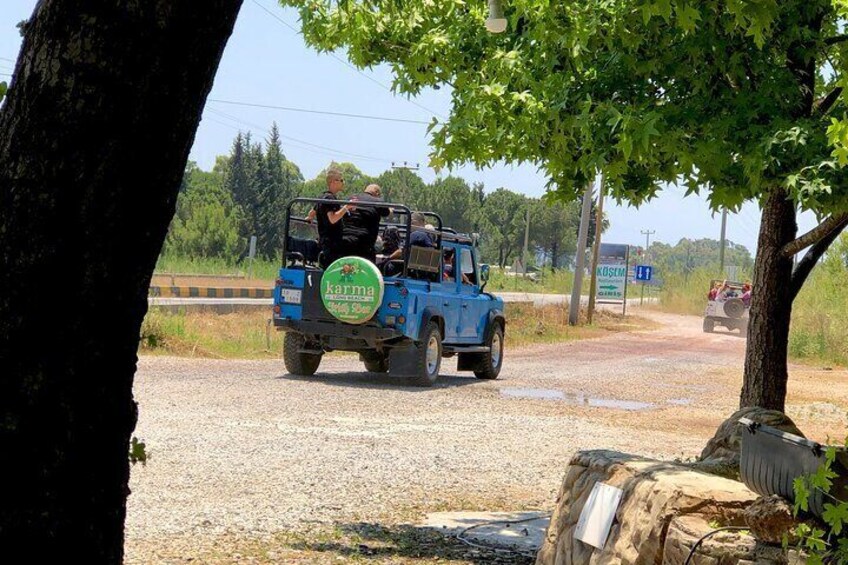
364 542
380 381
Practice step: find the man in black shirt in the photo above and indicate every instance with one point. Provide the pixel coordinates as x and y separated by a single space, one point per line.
361 227
329 218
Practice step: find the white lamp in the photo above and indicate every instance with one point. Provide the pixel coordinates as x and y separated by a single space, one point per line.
496 22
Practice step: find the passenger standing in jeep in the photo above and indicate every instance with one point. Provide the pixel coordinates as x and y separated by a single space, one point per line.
360 229
329 218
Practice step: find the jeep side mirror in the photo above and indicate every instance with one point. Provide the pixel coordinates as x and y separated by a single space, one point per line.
484 275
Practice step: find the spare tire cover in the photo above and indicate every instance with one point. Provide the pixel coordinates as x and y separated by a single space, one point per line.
734 308
352 289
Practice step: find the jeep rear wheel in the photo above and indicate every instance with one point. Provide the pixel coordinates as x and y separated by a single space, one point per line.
297 362
428 356
490 364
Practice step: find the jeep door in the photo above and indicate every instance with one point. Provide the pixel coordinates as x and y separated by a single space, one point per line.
475 306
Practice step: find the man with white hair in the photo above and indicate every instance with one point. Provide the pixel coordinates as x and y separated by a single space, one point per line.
361 227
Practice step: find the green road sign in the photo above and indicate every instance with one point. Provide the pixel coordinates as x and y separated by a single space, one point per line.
352 289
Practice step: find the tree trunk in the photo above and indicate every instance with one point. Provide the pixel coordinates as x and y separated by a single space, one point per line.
771 308
94 137
555 256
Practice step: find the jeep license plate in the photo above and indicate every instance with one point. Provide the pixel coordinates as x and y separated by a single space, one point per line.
290 295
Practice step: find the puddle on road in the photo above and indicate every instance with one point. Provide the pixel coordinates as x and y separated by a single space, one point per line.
575 399
680 401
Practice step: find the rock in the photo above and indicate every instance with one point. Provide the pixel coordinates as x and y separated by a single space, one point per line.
721 455
723 548
770 518
655 493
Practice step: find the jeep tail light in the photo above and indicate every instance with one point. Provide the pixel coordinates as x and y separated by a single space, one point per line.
277 310
404 291
401 320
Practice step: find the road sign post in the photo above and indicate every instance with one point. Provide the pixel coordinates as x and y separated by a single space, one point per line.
251 254
643 274
611 273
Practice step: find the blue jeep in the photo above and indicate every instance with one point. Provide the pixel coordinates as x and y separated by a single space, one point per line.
428 304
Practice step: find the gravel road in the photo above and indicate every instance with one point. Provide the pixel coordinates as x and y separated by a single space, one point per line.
244 448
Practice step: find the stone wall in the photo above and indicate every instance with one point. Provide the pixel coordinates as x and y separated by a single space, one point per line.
664 509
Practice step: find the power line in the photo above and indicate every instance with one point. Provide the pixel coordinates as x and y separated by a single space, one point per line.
347 64
7 59
288 145
326 149
324 112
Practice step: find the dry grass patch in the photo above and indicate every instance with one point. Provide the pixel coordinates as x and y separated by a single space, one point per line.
529 325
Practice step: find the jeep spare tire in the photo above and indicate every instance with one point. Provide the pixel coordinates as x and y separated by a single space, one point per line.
352 289
734 308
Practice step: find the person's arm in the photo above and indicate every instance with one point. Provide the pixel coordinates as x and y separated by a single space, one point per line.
395 254
310 217
336 215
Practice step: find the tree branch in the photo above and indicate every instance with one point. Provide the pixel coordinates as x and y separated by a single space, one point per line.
836 39
824 105
811 258
835 223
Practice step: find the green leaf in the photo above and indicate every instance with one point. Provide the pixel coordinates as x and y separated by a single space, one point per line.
835 516
3 88
687 17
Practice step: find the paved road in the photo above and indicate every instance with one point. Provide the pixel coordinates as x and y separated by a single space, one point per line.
240 448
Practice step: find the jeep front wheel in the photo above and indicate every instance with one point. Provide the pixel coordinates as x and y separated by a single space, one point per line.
428 356
297 362
490 365
709 325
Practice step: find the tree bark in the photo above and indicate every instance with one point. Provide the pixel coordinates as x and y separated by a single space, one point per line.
771 307
94 136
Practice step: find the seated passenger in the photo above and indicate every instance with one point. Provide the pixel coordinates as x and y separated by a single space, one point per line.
450 267
713 294
746 295
419 235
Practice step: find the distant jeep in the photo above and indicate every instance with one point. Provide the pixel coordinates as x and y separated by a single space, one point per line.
727 305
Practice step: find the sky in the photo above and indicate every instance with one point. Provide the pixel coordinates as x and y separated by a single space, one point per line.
267 63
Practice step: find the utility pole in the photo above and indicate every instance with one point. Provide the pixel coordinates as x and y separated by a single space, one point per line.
596 250
647 234
722 242
404 167
526 239
574 305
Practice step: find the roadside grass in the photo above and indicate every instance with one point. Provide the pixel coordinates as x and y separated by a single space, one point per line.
262 269
529 325
248 335
240 335
819 330
550 281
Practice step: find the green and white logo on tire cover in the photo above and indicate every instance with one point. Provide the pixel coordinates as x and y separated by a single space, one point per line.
352 289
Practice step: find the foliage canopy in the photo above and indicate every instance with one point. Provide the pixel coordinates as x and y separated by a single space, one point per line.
704 93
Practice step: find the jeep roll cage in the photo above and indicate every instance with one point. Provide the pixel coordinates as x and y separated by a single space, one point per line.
291 254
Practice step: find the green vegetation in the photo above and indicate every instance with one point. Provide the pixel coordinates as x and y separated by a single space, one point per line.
247 191
263 269
819 329
205 334
828 545
548 280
